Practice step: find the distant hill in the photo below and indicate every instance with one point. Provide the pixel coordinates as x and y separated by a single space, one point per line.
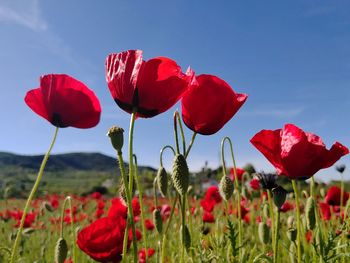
70 172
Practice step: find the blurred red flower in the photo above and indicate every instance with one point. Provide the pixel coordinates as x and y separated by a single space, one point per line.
212 194
142 254
333 196
149 87
254 184
295 153
209 104
287 206
64 101
326 213
239 172
103 239
149 224
208 217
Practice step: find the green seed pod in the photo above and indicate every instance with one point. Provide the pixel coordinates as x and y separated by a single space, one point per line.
157 219
292 234
187 238
61 250
279 196
226 187
180 175
162 181
310 213
117 137
264 233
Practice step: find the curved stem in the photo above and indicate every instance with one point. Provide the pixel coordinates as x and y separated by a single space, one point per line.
140 190
191 144
296 196
237 186
161 153
176 134
62 216
181 132
275 250
130 219
31 196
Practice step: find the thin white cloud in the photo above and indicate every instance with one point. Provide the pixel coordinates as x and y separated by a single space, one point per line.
278 113
24 13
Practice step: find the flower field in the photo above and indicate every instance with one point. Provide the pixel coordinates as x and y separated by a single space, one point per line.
241 216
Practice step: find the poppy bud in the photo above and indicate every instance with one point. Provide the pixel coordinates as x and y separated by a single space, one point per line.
290 221
48 207
187 238
226 188
117 138
157 219
28 231
162 181
61 250
264 233
310 213
279 196
322 192
180 174
292 234
340 168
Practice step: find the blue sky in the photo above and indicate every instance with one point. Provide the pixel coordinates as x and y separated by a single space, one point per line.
291 57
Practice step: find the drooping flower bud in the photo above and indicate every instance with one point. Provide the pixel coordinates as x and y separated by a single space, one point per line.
264 233
61 250
279 196
290 222
292 234
310 213
157 219
226 188
180 175
162 181
117 137
48 207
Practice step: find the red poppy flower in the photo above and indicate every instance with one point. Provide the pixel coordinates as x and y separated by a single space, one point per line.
64 101
295 153
239 172
326 213
209 103
103 239
208 217
254 184
287 206
117 209
142 254
149 224
213 194
207 205
149 87
333 196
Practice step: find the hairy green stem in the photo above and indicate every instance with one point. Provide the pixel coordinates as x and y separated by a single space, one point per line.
140 190
181 132
275 250
272 215
237 186
296 196
31 196
130 219
191 144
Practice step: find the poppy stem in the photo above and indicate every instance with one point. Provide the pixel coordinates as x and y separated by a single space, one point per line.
237 186
275 250
161 153
183 213
297 207
272 215
62 215
140 191
176 134
181 132
31 196
72 229
191 144
318 223
130 218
